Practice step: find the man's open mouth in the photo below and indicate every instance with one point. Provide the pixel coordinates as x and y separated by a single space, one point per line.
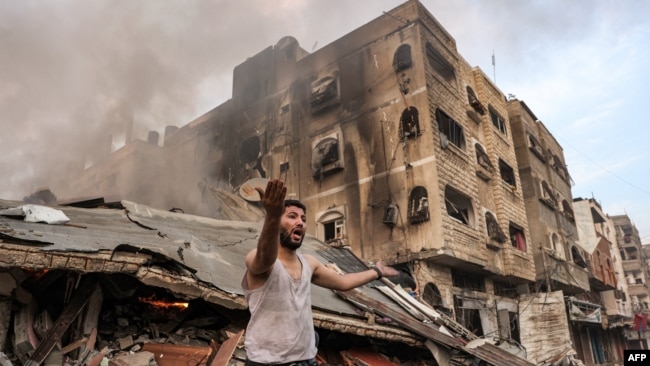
297 234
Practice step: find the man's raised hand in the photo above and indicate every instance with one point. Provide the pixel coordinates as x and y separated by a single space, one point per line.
272 197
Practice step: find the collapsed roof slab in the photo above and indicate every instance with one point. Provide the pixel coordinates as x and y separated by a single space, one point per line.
199 257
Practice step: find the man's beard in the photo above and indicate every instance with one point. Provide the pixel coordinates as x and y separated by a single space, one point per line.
286 242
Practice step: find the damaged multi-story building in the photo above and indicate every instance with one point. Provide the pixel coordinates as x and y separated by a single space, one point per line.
561 262
402 151
604 339
635 266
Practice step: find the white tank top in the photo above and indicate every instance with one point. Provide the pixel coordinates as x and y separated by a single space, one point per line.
281 327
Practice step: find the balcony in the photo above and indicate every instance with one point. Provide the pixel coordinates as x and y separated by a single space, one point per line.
566 276
637 289
633 265
597 284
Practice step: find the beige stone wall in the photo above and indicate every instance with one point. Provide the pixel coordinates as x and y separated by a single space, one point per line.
544 325
548 200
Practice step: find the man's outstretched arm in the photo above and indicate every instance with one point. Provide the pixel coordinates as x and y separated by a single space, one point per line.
328 278
260 260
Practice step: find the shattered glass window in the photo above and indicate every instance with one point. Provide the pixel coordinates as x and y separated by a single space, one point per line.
459 206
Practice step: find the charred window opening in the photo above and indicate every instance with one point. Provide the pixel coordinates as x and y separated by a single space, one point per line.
440 64
326 156
418 205
409 123
328 151
577 257
459 206
324 93
250 156
450 130
507 173
535 147
473 100
498 121
517 238
250 150
402 58
493 228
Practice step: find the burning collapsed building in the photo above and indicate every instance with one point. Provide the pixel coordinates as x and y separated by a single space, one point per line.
129 284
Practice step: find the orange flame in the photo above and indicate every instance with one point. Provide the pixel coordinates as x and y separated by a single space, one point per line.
164 304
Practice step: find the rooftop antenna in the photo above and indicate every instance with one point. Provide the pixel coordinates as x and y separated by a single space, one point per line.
494 67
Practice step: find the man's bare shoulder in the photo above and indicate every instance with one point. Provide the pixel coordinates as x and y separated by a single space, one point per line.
313 262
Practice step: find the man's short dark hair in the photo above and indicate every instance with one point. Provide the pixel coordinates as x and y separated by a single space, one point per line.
295 203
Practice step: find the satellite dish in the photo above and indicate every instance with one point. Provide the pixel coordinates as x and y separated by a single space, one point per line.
247 190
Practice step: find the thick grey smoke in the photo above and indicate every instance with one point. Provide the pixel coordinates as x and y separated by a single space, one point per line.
74 72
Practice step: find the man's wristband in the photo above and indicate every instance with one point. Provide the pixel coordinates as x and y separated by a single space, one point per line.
379 274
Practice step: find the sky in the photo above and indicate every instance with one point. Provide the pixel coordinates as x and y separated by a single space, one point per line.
75 75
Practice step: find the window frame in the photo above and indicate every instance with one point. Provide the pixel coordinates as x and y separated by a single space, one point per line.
465 213
497 120
452 130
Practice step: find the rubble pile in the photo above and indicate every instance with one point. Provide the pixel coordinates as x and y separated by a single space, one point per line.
63 318
59 318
